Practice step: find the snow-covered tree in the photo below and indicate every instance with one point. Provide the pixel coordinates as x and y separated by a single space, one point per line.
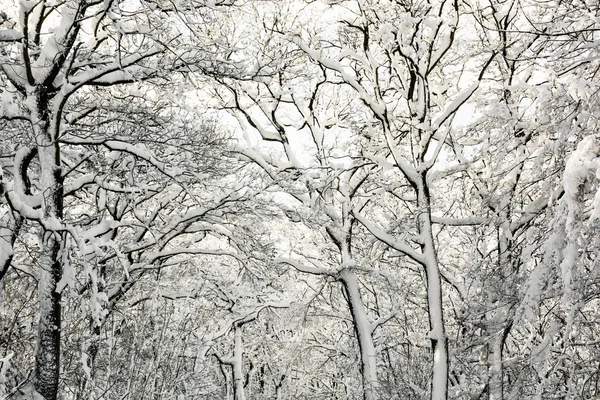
292 199
104 182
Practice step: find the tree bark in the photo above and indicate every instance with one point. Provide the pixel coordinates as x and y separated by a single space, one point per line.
439 340
237 364
496 381
47 357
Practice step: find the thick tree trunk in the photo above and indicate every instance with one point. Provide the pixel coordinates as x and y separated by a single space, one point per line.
439 340
47 358
364 335
362 327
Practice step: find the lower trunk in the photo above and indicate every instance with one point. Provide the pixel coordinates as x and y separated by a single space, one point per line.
496 384
499 316
47 359
439 341
362 327
227 377
496 380
278 389
238 376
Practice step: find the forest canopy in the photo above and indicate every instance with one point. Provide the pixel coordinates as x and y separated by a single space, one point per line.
294 199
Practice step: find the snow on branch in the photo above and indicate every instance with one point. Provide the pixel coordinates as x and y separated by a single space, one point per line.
308 269
116 72
583 163
79 183
22 159
461 98
408 170
534 209
396 244
186 250
254 314
380 321
466 221
233 323
144 155
454 105
378 109
22 207
270 165
10 35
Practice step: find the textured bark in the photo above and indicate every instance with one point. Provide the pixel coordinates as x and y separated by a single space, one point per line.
47 359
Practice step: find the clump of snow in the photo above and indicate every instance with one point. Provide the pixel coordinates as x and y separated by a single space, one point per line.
582 165
569 260
68 276
98 298
8 106
387 33
582 172
84 364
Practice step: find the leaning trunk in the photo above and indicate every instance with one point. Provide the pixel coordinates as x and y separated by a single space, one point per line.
363 333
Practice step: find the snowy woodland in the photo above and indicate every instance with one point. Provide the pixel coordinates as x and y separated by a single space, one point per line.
299 199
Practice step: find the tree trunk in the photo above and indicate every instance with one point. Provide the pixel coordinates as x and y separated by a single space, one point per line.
362 327
47 357
236 366
278 388
439 340
496 380
498 315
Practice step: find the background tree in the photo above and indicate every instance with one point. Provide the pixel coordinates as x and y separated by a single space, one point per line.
393 70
